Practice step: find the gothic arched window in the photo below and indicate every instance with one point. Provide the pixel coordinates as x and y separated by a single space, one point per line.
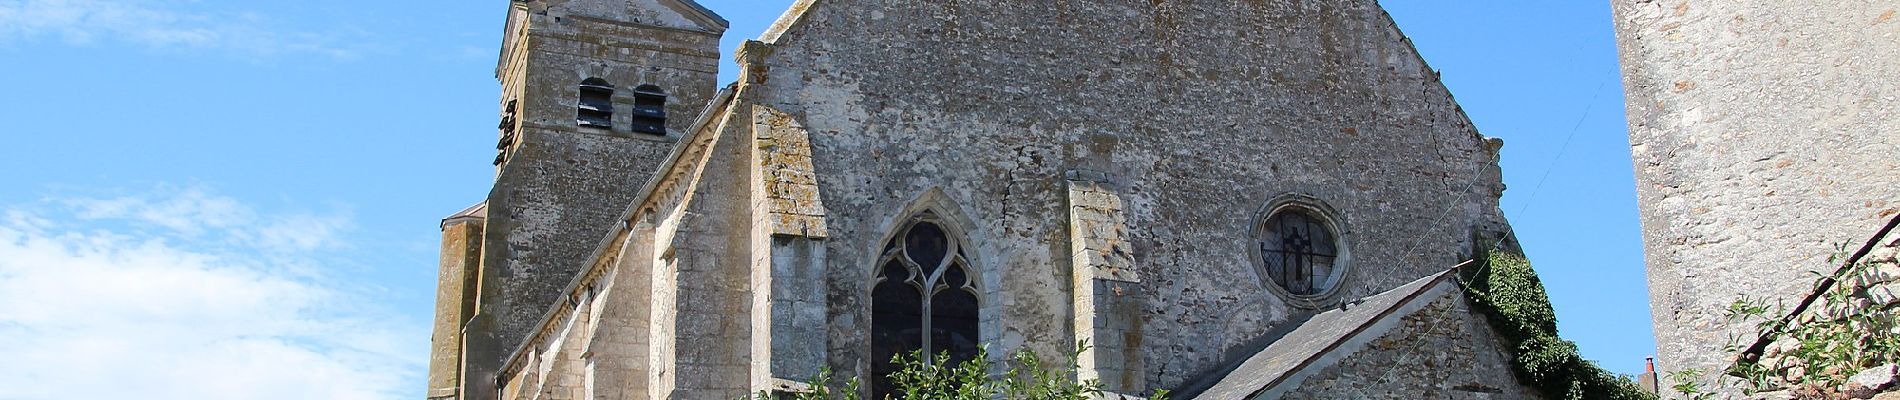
649 110
596 103
1300 251
925 299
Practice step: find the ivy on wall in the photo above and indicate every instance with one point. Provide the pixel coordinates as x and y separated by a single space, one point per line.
1508 292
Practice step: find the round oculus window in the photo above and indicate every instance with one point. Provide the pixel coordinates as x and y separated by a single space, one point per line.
1300 251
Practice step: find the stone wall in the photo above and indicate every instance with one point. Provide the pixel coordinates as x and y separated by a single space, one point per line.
1855 317
1443 351
1133 145
454 302
1197 113
665 308
561 187
1763 135
1106 309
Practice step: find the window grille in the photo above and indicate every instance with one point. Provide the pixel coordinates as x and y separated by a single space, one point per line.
1299 250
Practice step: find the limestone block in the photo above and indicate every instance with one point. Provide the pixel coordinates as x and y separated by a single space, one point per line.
1885 294
1878 273
1873 380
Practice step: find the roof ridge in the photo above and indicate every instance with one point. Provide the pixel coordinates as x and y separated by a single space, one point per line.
477 212
706 13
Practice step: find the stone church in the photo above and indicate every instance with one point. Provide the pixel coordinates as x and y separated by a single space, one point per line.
1226 199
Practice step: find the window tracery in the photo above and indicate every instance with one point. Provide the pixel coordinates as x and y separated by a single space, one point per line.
1299 252
925 298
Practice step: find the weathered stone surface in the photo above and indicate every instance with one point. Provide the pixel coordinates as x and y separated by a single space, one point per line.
1884 272
765 226
1442 351
1884 294
559 186
787 191
1200 112
1774 395
1762 135
1419 341
1853 301
1872 380
1103 277
455 299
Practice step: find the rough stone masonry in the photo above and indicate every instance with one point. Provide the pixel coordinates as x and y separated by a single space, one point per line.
1764 135
1180 183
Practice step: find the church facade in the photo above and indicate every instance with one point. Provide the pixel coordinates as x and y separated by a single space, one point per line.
1224 199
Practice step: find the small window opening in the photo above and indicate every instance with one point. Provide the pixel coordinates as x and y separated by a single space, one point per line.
649 110
1300 251
597 103
507 128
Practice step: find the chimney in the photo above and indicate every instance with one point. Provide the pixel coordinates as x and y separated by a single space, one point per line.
1649 381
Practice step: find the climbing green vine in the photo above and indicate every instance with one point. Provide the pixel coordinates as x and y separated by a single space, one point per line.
1507 290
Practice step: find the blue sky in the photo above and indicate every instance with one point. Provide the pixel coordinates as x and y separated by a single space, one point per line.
251 189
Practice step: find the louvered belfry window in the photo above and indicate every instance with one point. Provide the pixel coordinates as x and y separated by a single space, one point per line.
596 103
649 110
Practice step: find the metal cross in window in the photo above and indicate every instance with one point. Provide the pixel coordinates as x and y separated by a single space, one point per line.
1296 264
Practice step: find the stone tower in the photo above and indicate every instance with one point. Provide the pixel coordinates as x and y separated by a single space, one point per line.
594 95
1763 135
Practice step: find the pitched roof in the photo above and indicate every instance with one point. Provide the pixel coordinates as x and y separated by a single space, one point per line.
1319 341
477 212
705 14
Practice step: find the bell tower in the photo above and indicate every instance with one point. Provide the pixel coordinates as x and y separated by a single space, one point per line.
594 95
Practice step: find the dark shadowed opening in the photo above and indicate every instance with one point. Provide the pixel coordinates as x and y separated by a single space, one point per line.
596 106
924 300
649 110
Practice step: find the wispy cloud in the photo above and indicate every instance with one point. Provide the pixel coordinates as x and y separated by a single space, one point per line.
163 24
188 294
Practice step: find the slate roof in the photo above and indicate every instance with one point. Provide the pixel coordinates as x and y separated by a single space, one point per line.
1313 340
477 212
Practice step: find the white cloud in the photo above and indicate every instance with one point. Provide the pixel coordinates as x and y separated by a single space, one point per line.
162 24
187 294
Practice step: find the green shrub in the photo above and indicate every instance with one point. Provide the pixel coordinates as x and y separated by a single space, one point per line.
1027 378
1507 290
